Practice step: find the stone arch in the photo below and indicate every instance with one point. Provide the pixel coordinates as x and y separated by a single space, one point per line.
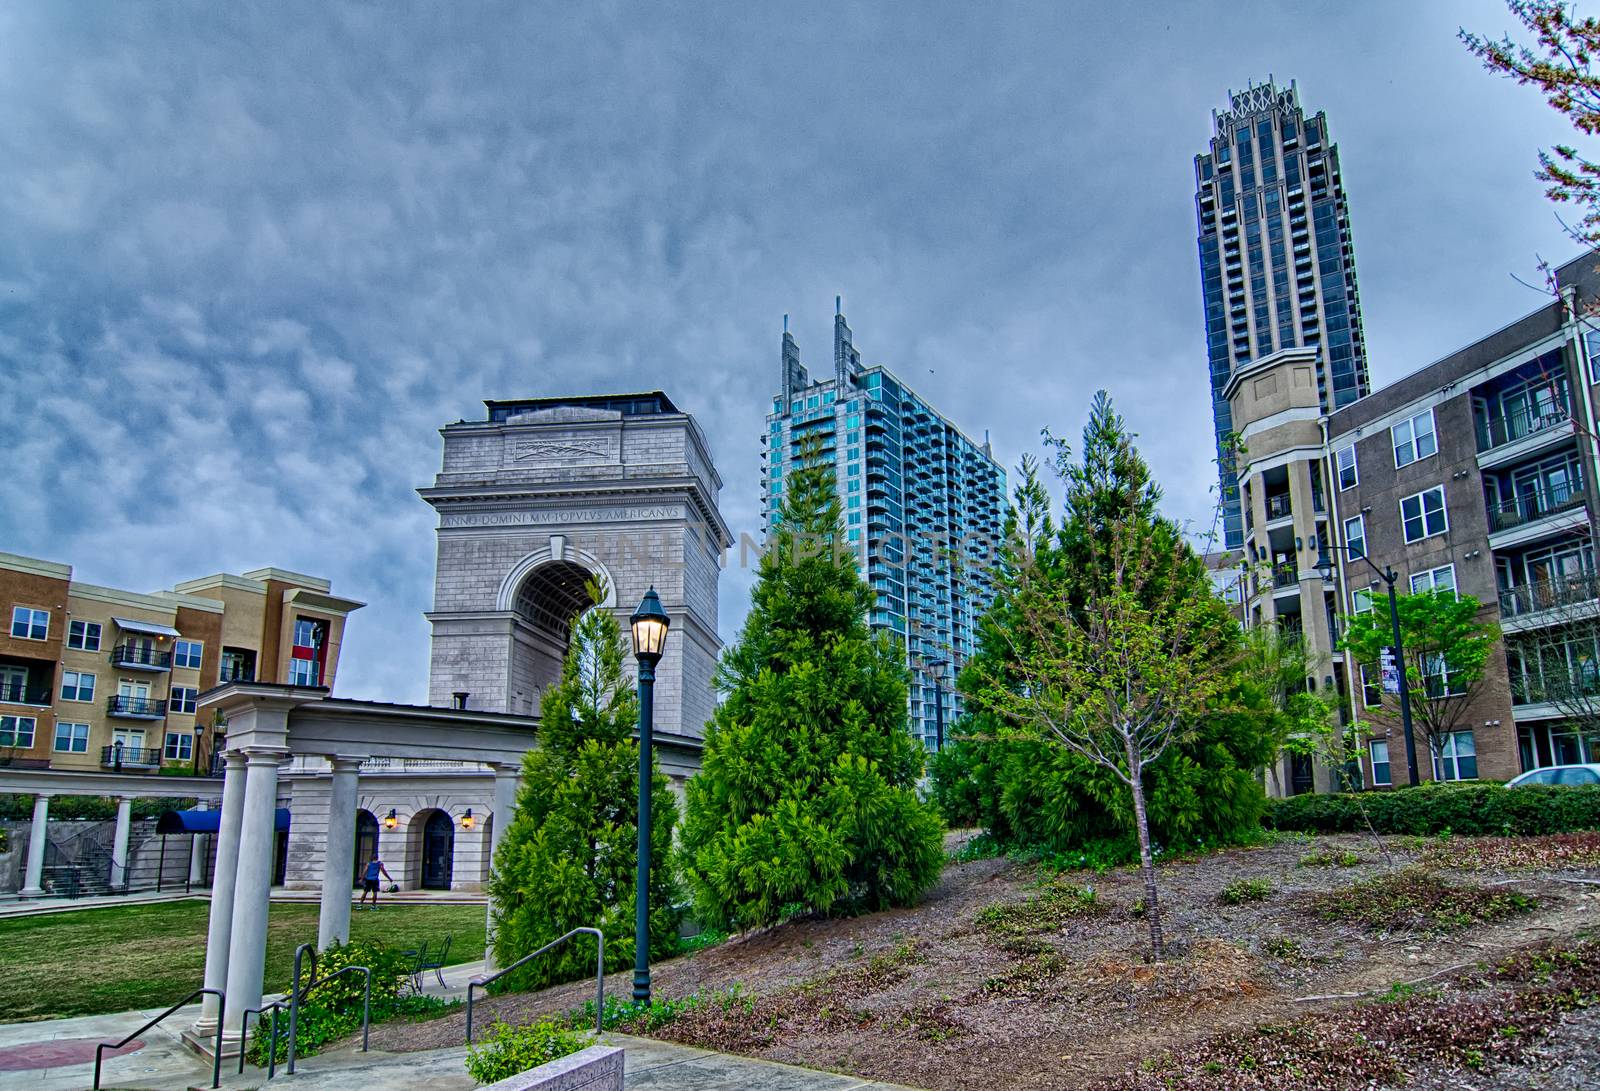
544 592
366 842
431 838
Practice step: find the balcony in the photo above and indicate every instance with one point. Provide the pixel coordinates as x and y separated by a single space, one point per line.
141 657
1285 575
135 708
1278 507
118 756
1504 437
1532 507
20 693
1562 597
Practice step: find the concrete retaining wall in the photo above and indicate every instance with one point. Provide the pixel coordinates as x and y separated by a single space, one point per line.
598 1068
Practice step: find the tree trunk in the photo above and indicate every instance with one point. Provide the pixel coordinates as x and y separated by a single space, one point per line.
1147 863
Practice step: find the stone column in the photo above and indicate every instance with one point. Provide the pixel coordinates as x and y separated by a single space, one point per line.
219 930
506 778
247 947
119 844
33 878
197 854
338 859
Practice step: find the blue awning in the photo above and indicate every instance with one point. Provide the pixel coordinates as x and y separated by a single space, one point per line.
208 821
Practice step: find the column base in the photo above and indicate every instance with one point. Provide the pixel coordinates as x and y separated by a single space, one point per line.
205 1043
31 892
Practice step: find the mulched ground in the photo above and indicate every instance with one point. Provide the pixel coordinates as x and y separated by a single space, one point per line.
1053 988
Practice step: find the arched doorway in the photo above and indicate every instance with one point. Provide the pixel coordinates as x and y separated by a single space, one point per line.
548 600
366 844
438 851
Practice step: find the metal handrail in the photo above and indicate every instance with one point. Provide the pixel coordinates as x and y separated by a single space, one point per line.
297 994
599 976
272 1041
216 1060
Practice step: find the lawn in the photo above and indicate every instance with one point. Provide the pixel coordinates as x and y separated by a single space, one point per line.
89 961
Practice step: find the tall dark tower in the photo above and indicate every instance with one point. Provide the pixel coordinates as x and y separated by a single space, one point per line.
1276 258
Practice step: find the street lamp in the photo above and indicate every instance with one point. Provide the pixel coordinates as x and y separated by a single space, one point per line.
650 624
1388 575
936 671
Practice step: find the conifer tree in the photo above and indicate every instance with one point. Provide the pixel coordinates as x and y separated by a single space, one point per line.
567 860
805 799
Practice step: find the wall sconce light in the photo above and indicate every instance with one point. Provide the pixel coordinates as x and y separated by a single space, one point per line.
466 820
391 820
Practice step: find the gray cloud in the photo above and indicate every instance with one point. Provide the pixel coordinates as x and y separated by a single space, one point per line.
252 257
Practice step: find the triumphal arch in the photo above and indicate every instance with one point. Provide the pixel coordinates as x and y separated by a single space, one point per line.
548 495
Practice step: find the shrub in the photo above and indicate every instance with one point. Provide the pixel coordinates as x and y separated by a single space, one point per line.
1329 858
90 808
507 1050
1473 810
1413 900
1245 890
332 1009
1049 912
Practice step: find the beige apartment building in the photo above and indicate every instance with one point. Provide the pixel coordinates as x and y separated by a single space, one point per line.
98 678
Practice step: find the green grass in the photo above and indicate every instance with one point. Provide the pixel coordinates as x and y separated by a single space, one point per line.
90 961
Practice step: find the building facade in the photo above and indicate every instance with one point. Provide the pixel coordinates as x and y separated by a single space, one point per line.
547 495
100 678
1277 263
923 506
1471 475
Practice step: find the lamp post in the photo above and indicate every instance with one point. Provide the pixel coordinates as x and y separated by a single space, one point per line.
936 671
198 732
1389 576
649 623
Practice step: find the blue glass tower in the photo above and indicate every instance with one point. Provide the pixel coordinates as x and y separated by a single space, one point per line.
1276 259
923 506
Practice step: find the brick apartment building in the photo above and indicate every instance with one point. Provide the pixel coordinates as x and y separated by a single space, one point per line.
98 678
1472 474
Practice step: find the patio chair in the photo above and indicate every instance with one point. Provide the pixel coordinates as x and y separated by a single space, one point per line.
436 964
418 955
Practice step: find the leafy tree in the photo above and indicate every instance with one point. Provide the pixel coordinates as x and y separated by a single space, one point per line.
1561 65
805 799
568 858
1113 645
1446 647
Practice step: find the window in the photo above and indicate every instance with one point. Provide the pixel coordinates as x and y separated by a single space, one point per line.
1414 439
182 699
1379 750
77 686
30 624
1423 514
17 731
72 738
305 633
1361 600
1591 342
302 672
239 665
186 653
1456 758
1345 460
84 635
180 746
1355 536
1435 579
1371 686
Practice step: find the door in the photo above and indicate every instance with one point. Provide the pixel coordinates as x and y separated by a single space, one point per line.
127 746
438 851
366 844
1301 780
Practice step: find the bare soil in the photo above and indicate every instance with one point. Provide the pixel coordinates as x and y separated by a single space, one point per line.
941 996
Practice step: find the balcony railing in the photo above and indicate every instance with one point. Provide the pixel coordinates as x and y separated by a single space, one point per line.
116 756
1535 505
138 708
1278 506
140 655
1285 575
1536 690
1533 598
20 693
1499 429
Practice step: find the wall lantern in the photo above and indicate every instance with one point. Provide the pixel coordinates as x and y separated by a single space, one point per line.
391 820
466 820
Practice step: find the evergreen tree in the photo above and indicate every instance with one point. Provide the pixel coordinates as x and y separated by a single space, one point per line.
568 858
805 797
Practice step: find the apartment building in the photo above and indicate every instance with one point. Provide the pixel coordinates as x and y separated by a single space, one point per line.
100 678
923 506
1472 475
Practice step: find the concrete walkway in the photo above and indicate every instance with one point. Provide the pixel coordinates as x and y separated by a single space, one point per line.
163 1063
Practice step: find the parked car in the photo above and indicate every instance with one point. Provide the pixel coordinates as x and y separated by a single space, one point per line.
1558 774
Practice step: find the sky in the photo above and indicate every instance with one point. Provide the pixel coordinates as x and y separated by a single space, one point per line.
253 256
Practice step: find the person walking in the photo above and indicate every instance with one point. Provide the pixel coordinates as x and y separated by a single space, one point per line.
369 881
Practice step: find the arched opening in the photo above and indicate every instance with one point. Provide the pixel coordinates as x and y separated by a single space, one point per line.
366 844
438 851
549 599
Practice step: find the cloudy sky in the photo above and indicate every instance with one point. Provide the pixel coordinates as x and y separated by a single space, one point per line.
253 256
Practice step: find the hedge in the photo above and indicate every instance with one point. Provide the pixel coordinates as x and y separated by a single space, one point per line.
19 808
1469 810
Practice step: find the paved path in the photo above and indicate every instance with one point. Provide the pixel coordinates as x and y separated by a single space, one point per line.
165 1064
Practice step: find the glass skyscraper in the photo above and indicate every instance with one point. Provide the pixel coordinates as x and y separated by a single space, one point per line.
1276 258
923 509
